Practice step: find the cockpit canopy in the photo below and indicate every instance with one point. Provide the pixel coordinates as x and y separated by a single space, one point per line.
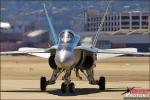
66 36
68 40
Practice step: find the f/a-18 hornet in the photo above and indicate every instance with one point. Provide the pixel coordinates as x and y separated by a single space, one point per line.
67 53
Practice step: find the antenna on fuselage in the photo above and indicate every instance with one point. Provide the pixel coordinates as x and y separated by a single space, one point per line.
54 37
101 25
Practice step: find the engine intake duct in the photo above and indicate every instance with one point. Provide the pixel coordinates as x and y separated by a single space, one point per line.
52 63
88 62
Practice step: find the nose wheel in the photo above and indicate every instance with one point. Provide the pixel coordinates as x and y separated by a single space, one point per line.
67 87
43 83
101 83
63 88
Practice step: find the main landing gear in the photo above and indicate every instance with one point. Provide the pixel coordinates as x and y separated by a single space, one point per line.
43 83
101 83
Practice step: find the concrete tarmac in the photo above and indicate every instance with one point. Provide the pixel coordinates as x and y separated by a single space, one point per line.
20 78
29 89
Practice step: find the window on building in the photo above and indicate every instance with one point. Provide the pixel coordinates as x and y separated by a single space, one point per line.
145 17
125 17
135 23
95 25
102 29
88 19
135 17
88 25
125 23
144 23
109 17
91 19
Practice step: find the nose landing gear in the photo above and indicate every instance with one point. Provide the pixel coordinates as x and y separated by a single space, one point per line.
64 87
67 87
71 88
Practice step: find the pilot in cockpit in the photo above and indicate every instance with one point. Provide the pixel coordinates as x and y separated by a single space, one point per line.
66 37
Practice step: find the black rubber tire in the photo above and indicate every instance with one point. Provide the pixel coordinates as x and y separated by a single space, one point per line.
101 83
63 88
71 88
43 83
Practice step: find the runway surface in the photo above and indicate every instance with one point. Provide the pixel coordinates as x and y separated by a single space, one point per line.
29 89
20 78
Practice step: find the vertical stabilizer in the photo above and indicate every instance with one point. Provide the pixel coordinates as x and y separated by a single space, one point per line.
101 25
54 36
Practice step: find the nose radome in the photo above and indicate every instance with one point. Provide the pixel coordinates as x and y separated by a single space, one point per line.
64 58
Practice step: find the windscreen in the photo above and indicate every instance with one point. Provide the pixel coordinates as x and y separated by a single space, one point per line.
66 37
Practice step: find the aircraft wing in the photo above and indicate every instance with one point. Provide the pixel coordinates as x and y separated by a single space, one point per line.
110 53
24 51
40 52
125 51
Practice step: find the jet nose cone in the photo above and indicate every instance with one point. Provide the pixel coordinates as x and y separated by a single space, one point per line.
61 60
64 58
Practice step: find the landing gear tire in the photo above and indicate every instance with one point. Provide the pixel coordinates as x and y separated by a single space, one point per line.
63 88
71 88
43 83
101 83
67 88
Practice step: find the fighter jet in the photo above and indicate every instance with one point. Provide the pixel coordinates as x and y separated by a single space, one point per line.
67 54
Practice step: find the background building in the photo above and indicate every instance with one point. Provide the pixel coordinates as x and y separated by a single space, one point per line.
123 38
120 30
115 21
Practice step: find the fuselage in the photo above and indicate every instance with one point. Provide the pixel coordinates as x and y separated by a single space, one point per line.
65 57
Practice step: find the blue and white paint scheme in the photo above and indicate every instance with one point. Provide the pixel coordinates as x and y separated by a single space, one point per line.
68 41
